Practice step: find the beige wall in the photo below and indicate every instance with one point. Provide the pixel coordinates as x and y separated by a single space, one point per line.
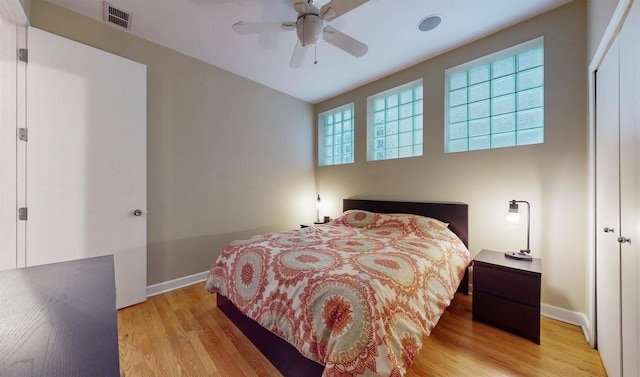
219 168
551 176
226 157
599 13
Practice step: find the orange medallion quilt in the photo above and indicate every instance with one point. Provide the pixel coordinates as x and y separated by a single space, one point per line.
358 294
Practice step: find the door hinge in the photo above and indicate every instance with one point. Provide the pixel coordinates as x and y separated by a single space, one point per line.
23 134
22 213
23 55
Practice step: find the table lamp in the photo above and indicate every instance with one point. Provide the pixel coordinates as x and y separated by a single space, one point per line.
514 216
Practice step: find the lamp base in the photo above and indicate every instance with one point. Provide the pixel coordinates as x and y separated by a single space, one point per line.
519 256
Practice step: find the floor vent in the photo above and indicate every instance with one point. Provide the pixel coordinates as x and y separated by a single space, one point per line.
116 16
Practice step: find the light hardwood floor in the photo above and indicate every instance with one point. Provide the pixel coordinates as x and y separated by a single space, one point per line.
182 333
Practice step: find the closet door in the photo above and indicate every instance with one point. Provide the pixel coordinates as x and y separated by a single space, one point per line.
608 311
629 189
86 159
618 201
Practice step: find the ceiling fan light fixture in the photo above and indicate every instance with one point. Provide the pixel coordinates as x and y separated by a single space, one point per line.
430 22
309 28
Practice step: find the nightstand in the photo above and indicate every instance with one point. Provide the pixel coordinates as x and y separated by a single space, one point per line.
506 293
315 223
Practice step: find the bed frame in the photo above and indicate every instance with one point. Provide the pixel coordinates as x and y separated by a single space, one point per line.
285 357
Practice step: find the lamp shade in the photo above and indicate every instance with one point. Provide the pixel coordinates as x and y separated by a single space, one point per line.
514 216
514 212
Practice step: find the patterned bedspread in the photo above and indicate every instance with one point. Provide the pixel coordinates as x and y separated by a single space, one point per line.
358 295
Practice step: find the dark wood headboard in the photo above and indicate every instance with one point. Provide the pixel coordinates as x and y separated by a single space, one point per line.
456 214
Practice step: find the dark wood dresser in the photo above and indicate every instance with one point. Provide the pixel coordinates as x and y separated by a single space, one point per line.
59 320
506 293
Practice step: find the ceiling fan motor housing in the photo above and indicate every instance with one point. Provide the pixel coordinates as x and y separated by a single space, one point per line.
309 29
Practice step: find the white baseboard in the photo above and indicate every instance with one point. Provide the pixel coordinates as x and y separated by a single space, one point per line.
178 283
567 316
554 312
562 315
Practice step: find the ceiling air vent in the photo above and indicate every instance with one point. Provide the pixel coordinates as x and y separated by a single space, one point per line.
116 16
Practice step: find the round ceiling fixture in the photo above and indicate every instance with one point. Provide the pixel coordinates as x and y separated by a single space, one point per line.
309 28
429 22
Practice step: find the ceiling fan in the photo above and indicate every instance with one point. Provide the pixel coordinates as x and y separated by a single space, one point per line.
310 28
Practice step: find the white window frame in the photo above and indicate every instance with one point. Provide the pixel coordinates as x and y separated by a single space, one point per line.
417 133
509 52
322 136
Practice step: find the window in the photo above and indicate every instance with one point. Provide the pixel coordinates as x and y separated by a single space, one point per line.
496 101
335 136
394 125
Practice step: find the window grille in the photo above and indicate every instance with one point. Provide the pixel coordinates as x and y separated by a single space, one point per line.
496 101
335 136
395 123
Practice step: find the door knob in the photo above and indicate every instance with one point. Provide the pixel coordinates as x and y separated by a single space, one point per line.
624 239
137 212
608 230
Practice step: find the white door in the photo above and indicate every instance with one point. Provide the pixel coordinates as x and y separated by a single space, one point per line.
86 159
630 189
607 213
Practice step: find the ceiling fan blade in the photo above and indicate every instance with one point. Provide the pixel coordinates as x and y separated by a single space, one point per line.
262 27
336 8
301 6
344 42
299 53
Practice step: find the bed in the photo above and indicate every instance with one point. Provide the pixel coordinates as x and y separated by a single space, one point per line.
339 307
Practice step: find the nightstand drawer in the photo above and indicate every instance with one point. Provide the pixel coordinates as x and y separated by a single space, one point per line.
508 284
511 316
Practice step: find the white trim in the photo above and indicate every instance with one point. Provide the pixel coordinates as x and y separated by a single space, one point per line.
371 122
487 62
591 209
322 134
609 35
21 149
13 12
567 316
185 281
550 311
389 92
495 56
8 144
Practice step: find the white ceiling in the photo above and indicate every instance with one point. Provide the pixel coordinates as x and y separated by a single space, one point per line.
202 29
